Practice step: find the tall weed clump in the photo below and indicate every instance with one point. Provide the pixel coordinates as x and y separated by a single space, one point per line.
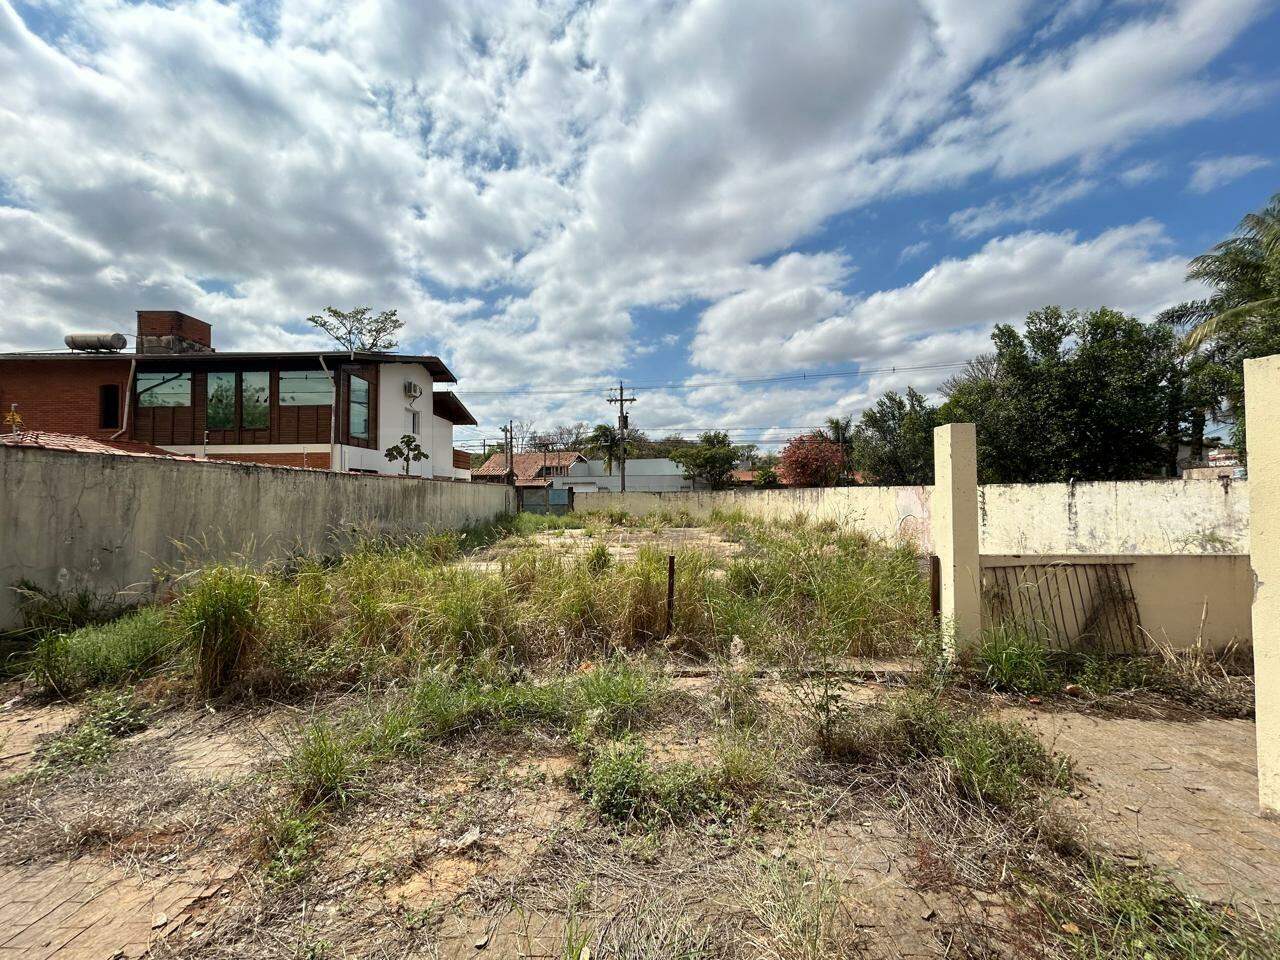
838 591
220 616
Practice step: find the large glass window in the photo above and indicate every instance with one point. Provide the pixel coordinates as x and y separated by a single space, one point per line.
359 407
305 388
164 389
255 400
220 411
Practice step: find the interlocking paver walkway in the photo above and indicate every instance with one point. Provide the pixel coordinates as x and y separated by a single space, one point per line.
1182 794
90 910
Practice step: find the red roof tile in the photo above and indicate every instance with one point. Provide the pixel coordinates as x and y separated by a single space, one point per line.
76 444
528 465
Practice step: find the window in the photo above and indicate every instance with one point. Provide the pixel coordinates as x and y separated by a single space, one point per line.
164 389
305 388
109 406
220 410
412 421
359 409
255 400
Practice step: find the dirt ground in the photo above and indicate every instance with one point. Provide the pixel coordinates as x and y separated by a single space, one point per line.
486 847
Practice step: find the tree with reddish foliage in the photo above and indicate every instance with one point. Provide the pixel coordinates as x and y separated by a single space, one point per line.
813 460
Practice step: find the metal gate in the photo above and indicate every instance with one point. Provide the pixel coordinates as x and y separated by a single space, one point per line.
546 499
1072 606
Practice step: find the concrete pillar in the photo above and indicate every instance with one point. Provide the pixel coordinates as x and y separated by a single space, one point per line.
1261 401
954 511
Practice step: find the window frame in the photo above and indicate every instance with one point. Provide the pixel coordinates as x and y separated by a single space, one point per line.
242 377
352 404
306 376
173 377
210 378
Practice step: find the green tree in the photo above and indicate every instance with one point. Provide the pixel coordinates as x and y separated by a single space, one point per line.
712 459
1240 319
1244 271
1074 396
359 328
407 451
893 441
839 430
604 443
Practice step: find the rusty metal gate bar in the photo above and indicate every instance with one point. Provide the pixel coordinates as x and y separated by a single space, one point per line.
1071 606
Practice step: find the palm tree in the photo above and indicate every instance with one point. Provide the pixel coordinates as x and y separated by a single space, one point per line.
1245 270
839 430
602 443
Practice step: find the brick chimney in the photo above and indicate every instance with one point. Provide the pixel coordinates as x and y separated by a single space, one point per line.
169 331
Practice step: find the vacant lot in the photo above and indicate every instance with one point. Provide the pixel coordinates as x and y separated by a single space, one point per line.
501 745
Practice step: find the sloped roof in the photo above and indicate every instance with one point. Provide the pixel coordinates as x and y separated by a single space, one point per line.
445 404
527 465
72 443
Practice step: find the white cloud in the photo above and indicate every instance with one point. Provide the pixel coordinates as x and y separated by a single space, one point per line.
1140 173
798 317
519 179
1214 172
913 250
1029 206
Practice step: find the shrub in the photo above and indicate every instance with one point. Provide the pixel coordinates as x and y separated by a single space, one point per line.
219 614
124 650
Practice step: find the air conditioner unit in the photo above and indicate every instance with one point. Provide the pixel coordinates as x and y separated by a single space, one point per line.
412 390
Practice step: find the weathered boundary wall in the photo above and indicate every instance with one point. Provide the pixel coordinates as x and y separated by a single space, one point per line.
1156 517
71 521
886 512
1183 599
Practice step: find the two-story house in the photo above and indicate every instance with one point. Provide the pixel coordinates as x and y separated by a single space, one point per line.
327 409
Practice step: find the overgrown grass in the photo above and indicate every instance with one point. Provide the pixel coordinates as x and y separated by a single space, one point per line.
626 786
1014 660
801 914
990 761
108 717
390 610
1113 912
125 650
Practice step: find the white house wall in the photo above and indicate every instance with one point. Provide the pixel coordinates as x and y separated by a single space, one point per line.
392 404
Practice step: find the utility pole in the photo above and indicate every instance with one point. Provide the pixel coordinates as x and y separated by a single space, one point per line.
507 445
622 400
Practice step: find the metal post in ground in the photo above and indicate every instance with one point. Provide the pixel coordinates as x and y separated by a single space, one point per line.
671 594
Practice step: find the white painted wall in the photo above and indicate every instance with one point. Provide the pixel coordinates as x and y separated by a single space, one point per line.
1152 517
441 448
392 404
1135 517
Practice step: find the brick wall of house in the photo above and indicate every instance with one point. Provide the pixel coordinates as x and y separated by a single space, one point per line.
62 396
314 461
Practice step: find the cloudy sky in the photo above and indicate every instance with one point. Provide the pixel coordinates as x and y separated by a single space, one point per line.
686 192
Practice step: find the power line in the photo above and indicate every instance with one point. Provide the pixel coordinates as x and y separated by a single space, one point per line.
738 381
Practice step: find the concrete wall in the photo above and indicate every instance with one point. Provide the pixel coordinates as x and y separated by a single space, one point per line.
1136 517
886 512
1174 592
1155 517
69 520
